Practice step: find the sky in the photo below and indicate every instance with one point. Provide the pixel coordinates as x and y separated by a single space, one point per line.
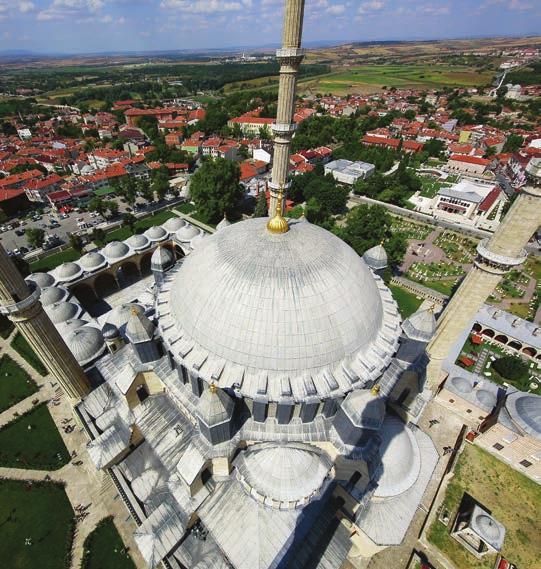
85 26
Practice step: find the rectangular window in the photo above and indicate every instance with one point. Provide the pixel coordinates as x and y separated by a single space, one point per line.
498 446
468 410
525 463
451 400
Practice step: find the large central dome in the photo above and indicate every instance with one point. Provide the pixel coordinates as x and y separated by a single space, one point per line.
296 303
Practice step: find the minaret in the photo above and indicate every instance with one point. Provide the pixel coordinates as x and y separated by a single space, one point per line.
19 301
290 57
495 257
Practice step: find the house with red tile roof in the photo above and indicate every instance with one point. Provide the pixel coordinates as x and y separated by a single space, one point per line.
473 165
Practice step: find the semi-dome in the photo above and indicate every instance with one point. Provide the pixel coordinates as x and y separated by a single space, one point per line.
283 474
62 311
156 233
110 331
186 233
364 409
525 411
298 304
376 258
138 242
173 224
85 343
116 250
486 398
41 279
400 458
52 294
68 272
92 261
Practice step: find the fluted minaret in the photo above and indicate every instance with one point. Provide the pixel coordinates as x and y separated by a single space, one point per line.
290 57
495 257
20 303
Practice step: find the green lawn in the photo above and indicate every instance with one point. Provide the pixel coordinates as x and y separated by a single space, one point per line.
407 302
512 499
185 207
33 441
15 383
104 549
445 287
22 347
40 512
51 261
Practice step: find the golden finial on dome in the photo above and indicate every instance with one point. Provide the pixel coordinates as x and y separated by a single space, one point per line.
278 224
375 390
213 387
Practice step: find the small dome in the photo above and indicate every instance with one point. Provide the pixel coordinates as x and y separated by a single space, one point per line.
376 258
284 473
214 407
525 411
139 328
62 311
489 528
120 315
420 326
70 325
156 233
116 250
110 331
161 259
85 343
400 458
364 409
41 279
197 240
68 271
486 398
186 233
223 224
145 483
138 242
92 261
461 384
52 294
173 224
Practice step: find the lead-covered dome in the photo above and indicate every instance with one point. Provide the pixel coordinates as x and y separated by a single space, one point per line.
525 411
299 304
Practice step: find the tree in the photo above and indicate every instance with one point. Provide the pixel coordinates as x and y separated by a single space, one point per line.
434 147
112 206
76 242
513 143
510 367
35 236
215 189
98 236
98 205
261 209
129 220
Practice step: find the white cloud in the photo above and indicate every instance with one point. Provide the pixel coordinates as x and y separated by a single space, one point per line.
336 9
206 6
25 6
372 6
78 9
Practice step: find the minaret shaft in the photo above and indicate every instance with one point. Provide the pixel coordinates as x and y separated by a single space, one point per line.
22 306
496 257
290 57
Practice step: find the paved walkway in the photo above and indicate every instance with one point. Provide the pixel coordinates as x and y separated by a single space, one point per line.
84 484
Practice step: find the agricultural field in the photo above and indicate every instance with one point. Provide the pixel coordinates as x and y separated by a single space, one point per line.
512 499
370 78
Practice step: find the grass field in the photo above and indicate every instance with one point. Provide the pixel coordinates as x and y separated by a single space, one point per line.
33 441
407 302
51 261
369 78
512 499
22 347
40 512
104 549
15 383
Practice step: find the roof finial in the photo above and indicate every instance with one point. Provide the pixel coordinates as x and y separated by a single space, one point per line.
278 224
213 387
375 390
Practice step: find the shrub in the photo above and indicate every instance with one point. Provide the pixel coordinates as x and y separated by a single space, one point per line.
510 367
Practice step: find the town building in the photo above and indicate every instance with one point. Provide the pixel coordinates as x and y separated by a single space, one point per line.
348 172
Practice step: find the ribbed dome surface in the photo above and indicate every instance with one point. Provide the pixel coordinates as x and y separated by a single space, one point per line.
376 257
462 385
174 224
186 233
285 473
525 410
116 250
420 326
85 343
161 259
41 279
293 302
156 233
364 409
400 457
62 311
92 261
490 530
486 398
52 294
70 325
138 242
68 271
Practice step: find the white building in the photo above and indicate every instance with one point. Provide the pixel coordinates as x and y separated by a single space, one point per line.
24 133
348 172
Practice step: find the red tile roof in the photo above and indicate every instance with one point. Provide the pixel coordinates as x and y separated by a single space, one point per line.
470 159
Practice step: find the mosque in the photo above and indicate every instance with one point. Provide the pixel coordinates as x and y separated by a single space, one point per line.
256 401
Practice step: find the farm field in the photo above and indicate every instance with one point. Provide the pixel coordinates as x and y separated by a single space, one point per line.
373 77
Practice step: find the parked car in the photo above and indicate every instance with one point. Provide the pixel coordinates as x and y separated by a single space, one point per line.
19 232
